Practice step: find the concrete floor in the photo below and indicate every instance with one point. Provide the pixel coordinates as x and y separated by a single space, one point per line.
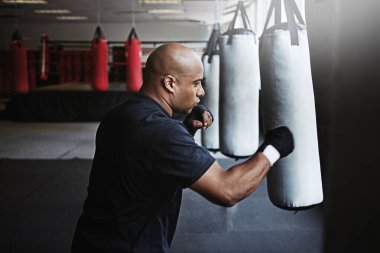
47 140
44 183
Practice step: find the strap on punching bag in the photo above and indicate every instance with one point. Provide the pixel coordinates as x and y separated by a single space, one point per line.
132 34
247 25
16 36
292 12
98 34
212 44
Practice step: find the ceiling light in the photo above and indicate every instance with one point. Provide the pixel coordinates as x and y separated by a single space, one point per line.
160 1
25 1
72 18
165 11
52 11
171 18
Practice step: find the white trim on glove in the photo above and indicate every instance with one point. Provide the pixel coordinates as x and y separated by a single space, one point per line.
272 154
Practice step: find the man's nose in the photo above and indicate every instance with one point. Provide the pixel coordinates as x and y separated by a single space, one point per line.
200 91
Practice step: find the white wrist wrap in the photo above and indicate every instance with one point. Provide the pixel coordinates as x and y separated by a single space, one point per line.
272 154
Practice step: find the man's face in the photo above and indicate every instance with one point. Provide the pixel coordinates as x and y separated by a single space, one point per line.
189 90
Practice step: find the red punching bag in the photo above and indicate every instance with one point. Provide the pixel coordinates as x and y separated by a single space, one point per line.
133 58
45 57
19 67
99 50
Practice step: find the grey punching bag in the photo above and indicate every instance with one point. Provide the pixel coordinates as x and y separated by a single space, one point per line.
239 89
210 136
294 182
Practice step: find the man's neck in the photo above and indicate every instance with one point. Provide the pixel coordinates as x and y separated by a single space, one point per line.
160 100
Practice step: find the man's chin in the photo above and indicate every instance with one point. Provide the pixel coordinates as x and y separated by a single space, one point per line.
184 111
193 107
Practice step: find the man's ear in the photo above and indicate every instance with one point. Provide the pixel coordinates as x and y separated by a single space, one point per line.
169 83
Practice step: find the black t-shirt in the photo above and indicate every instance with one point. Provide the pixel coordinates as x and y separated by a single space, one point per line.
142 162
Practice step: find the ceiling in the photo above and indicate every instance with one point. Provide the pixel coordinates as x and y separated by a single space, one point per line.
119 11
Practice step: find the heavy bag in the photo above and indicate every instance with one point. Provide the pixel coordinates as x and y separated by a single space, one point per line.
99 49
19 66
133 57
288 99
210 136
239 89
45 57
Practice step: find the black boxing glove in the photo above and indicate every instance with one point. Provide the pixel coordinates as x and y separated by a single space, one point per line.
278 143
196 120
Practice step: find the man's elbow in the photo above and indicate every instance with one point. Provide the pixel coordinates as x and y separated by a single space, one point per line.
229 204
229 199
234 195
225 203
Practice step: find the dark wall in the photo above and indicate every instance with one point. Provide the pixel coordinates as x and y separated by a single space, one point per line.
345 52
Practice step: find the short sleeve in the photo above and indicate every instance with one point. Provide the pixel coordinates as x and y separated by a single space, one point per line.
180 159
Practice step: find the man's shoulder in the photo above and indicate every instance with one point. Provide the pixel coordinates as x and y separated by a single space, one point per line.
135 107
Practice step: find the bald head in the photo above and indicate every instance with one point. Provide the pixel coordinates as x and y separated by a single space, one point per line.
172 58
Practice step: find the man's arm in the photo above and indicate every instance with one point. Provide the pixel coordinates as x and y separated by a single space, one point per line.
226 188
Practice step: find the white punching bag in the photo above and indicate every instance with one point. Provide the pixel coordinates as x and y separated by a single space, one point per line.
294 182
210 136
239 89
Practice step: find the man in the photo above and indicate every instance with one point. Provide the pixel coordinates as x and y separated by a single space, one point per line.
144 158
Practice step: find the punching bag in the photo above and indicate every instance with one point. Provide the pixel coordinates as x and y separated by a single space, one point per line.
294 182
239 89
210 137
99 48
45 58
19 66
133 57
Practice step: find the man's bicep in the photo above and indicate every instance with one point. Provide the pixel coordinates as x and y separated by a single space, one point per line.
213 185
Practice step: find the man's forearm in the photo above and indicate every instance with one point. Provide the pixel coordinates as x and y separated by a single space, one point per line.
244 178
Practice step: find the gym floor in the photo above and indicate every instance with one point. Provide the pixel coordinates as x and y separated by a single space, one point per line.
44 170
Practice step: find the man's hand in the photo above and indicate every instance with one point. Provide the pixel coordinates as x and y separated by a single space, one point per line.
278 143
199 117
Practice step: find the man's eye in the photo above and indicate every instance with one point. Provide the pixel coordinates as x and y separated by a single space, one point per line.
200 82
